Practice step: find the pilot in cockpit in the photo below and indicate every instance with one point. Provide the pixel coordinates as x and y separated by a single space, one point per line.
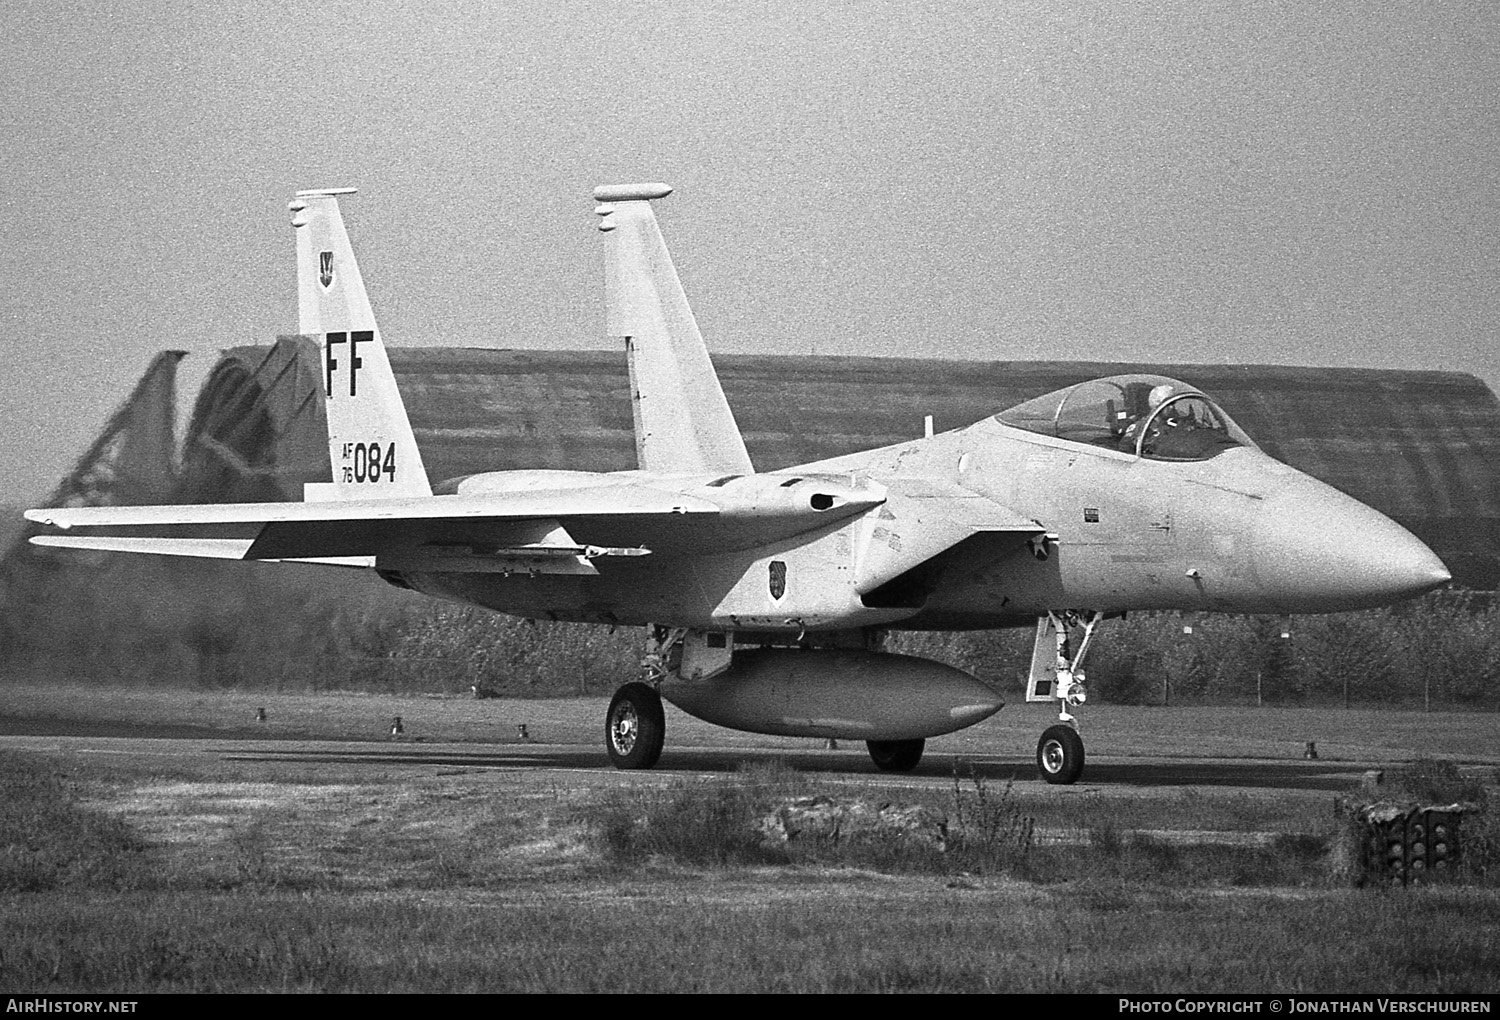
1159 395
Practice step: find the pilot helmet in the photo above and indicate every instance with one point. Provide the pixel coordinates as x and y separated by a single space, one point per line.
1159 395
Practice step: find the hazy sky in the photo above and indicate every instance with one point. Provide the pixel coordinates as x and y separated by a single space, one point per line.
1285 183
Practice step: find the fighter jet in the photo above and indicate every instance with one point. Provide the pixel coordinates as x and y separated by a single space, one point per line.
766 597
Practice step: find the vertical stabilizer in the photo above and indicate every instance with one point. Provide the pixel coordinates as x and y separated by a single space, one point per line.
682 421
370 441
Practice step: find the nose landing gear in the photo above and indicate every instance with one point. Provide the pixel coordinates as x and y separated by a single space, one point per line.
1057 676
1059 755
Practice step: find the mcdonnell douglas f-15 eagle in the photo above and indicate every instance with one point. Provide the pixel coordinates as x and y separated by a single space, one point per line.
766 597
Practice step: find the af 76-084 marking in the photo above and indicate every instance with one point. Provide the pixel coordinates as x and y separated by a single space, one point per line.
766 597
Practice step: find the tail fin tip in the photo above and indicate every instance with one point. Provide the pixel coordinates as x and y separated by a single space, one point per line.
632 192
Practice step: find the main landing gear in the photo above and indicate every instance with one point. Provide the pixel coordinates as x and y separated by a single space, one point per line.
1057 675
896 755
635 727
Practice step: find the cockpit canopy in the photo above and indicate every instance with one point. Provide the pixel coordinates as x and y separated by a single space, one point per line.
1147 415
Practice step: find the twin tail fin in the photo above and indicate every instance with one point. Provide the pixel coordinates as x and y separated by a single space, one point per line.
682 421
370 441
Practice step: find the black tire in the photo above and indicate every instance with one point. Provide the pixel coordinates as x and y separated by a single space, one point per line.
1059 755
635 728
896 755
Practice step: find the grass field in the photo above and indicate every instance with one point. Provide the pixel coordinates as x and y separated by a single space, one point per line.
230 873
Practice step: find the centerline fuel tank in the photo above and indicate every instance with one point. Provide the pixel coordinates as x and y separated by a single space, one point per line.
836 692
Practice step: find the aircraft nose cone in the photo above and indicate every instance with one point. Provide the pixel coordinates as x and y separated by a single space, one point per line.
1318 550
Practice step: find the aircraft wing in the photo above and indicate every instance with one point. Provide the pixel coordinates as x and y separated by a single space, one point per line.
552 530
580 501
555 530
519 530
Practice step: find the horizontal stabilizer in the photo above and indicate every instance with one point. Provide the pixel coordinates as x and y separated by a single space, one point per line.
199 548
205 548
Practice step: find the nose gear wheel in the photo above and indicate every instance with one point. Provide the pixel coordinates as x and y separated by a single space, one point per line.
1059 755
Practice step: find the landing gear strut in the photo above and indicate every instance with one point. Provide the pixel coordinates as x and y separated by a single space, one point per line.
1057 675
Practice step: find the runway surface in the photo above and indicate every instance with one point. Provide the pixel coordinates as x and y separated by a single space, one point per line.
320 738
347 759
